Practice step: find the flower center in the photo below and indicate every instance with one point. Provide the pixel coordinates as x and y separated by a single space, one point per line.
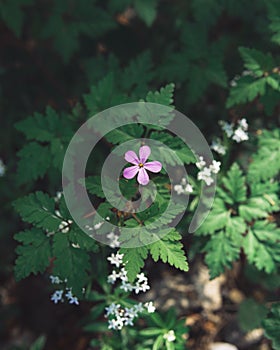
140 165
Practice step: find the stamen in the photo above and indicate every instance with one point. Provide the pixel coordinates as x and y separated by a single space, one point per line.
140 165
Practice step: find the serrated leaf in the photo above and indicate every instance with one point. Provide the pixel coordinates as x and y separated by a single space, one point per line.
80 238
169 250
216 220
33 255
246 90
257 207
221 252
38 209
103 95
125 133
257 61
164 96
134 259
266 161
260 245
234 183
70 263
272 326
34 162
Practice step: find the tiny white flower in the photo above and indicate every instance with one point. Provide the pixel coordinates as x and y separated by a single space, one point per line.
139 307
218 147
127 287
112 324
123 274
55 279
141 277
201 163
116 259
240 135
112 309
57 296
243 124
128 322
113 277
188 188
179 189
150 307
205 175
131 312
227 128
215 167
145 287
98 225
114 240
170 336
74 300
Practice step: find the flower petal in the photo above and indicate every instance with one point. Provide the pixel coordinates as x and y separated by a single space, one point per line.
131 157
154 167
144 153
143 177
130 172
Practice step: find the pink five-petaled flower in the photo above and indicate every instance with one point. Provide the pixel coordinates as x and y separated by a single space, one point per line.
141 165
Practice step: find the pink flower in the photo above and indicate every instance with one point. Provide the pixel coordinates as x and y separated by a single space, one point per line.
141 165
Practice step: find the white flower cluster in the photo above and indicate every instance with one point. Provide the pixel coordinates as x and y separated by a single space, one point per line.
113 240
183 187
57 296
170 336
124 316
141 284
206 173
2 168
239 133
218 147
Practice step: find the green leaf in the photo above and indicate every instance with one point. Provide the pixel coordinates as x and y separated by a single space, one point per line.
234 183
216 220
272 326
274 17
70 263
34 162
44 127
39 343
266 161
257 207
164 96
80 238
104 95
146 10
134 259
168 249
38 209
221 252
246 90
260 246
12 14
257 61
125 133
34 254
251 314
